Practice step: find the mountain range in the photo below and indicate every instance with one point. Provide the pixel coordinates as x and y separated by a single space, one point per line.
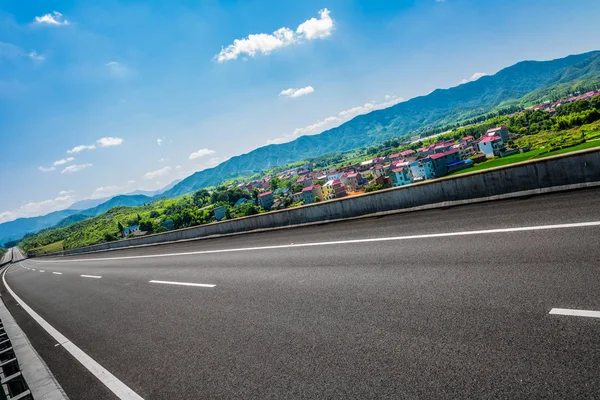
440 107
20 227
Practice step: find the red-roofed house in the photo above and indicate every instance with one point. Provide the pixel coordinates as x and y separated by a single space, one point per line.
353 181
501 131
304 181
489 144
401 175
265 200
441 160
394 157
407 153
309 193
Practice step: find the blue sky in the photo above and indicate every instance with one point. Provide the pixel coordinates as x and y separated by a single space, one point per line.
156 90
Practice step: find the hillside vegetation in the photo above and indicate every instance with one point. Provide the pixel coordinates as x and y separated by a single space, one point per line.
575 126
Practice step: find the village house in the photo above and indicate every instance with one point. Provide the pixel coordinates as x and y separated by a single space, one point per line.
501 131
309 194
441 160
130 230
422 169
265 200
394 157
407 154
353 181
401 175
491 145
220 212
333 189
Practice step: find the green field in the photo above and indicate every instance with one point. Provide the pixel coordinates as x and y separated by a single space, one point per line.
530 155
49 248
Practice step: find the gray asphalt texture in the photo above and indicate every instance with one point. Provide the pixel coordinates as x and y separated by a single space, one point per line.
451 317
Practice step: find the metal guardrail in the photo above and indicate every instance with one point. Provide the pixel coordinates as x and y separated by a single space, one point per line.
12 381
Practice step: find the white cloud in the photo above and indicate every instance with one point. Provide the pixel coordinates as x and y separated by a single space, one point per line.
163 159
43 169
63 161
55 18
65 192
131 182
35 56
201 153
105 191
297 92
178 167
474 77
316 28
155 174
80 148
11 52
109 141
75 168
117 69
333 121
33 208
265 43
159 141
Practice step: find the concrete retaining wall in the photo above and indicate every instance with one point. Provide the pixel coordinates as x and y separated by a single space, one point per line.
569 169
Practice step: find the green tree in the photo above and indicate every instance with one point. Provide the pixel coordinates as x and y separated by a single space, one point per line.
120 227
274 183
147 225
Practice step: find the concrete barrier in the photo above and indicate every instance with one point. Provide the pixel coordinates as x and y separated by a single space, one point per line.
570 170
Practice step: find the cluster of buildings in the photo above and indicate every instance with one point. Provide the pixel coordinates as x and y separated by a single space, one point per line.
403 168
551 106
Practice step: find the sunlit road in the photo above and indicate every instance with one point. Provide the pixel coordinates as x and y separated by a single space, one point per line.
456 303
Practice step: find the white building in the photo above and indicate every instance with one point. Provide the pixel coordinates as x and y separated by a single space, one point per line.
488 144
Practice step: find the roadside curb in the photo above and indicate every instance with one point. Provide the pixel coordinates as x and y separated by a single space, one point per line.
446 204
41 381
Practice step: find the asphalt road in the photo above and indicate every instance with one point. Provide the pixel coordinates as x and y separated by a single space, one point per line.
456 316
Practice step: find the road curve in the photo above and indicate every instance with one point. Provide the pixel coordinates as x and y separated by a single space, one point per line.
453 303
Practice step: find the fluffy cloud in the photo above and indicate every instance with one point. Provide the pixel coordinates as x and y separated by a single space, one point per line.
63 161
80 148
105 191
75 168
159 141
474 77
265 43
109 141
333 121
316 28
158 173
55 19
33 208
43 169
297 92
201 153
65 192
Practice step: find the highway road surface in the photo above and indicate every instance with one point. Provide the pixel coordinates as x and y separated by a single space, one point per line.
494 300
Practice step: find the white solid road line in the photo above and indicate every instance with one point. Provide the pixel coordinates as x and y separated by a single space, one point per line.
339 242
121 390
576 313
91 276
41 270
57 273
183 283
